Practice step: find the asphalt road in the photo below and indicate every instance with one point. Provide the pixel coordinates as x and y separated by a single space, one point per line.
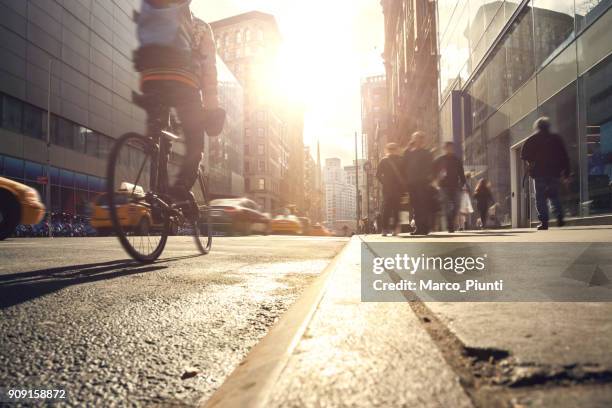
75 314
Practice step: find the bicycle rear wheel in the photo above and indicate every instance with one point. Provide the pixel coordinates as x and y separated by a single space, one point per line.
139 219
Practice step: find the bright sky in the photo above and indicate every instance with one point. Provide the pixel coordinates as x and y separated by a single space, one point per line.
328 46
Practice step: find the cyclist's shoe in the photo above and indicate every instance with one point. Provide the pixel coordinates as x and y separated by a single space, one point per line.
184 200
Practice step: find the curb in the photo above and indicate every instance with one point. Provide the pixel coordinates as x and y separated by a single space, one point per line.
252 382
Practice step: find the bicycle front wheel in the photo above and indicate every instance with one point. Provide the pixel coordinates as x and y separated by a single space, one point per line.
141 222
203 227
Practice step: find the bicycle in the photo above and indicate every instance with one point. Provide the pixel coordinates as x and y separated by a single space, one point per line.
141 211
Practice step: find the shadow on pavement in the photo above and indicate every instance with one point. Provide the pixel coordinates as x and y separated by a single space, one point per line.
21 287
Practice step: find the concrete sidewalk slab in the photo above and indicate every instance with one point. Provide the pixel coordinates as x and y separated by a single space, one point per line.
365 354
544 333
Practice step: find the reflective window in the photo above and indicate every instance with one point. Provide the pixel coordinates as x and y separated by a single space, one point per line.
596 136
80 181
33 170
12 112
454 46
32 121
80 139
105 144
588 10
91 144
554 27
66 178
561 109
13 168
519 51
261 184
64 133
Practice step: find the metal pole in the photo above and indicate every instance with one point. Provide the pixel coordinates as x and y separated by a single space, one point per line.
48 187
358 209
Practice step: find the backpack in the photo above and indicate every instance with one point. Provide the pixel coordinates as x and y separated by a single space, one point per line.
169 26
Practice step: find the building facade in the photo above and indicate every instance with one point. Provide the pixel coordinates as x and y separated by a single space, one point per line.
273 137
313 187
411 65
356 176
505 63
83 49
340 196
374 127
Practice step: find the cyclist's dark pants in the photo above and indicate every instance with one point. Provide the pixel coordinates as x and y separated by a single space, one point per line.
188 104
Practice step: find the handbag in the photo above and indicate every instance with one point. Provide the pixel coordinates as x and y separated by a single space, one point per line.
466 203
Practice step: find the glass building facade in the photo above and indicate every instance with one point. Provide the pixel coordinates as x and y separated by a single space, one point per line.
505 63
83 48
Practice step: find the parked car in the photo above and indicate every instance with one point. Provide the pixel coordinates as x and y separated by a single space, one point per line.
287 224
320 231
19 204
238 216
134 216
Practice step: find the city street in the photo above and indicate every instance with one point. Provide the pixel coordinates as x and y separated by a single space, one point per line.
77 315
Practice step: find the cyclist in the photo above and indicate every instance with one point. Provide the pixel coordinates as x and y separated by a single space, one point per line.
176 60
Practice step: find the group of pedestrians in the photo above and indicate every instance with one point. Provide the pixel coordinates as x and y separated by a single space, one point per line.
411 170
432 184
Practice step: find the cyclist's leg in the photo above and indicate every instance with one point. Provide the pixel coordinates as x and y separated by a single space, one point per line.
189 110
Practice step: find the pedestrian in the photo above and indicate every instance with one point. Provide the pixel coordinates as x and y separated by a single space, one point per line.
484 200
418 162
547 162
451 178
390 177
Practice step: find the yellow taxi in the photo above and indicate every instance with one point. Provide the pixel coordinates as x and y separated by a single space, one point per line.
19 204
318 230
133 216
286 224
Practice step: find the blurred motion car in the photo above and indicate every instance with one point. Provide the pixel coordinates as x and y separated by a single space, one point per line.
238 216
19 204
318 230
305 225
133 215
287 224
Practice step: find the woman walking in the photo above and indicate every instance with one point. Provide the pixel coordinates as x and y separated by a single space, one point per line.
484 199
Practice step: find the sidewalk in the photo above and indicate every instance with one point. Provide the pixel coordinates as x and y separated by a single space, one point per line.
435 354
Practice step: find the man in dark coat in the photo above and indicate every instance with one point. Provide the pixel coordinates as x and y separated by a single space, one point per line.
417 170
389 174
547 161
451 179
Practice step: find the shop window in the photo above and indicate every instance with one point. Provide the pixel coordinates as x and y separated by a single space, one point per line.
561 109
12 113
33 170
80 181
13 168
596 138
66 178
33 121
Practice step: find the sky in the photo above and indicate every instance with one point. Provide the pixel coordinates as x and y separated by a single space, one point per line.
328 47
